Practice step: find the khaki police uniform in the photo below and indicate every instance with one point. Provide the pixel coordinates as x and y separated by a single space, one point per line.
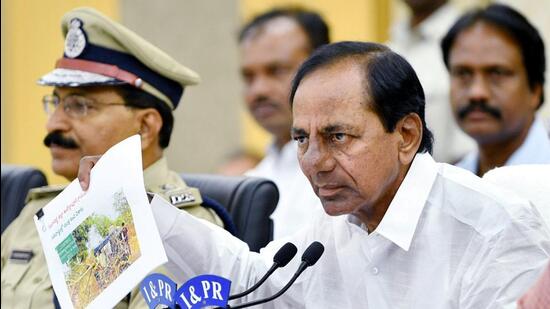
25 279
97 52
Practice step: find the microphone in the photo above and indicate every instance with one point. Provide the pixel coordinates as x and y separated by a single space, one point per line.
281 258
309 258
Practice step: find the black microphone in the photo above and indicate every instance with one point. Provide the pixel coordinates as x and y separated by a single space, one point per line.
281 258
309 258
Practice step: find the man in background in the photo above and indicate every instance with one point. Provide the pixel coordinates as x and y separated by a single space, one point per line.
109 85
418 40
273 45
496 61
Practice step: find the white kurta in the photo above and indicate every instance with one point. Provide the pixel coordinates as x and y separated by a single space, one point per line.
447 240
297 201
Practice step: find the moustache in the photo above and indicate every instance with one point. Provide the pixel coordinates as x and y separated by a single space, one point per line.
265 101
59 140
479 106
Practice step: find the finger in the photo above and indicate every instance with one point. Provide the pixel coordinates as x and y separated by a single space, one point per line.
85 167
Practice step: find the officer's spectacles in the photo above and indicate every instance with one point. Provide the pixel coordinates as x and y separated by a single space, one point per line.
74 106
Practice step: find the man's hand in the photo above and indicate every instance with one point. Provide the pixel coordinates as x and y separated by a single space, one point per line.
86 164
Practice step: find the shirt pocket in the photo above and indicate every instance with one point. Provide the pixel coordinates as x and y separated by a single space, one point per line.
13 285
13 272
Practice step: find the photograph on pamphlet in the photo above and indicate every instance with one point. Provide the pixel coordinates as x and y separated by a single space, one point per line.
99 250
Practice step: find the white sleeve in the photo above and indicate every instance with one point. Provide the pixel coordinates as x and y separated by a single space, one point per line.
195 246
508 265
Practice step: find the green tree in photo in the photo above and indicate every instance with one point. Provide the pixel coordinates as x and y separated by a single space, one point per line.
80 235
102 223
120 202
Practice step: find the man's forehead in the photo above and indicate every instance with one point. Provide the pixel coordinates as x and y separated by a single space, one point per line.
331 95
484 42
86 90
339 81
277 26
281 34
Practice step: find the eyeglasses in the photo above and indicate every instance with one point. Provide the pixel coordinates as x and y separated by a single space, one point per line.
74 106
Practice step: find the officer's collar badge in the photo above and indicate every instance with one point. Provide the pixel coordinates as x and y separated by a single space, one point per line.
75 41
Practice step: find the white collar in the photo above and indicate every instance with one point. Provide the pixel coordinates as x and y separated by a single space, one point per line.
399 223
535 147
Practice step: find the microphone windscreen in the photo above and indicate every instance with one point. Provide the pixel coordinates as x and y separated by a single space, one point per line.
285 254
313 253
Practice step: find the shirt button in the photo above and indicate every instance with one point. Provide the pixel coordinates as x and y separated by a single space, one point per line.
36 280
374 271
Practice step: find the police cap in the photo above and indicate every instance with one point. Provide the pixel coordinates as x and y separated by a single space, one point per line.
99 51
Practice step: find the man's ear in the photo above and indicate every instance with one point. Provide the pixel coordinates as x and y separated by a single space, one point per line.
535 97
150 125
410 131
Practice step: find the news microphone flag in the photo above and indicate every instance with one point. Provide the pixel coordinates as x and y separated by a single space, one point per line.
158 289
200 291
204 290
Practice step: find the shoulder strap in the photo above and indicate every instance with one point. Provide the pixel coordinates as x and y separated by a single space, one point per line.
45 191
220 210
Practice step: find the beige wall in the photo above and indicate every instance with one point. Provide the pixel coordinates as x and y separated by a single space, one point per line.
201 35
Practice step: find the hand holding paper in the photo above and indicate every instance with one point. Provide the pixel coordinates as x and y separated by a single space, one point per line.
100 243
84 170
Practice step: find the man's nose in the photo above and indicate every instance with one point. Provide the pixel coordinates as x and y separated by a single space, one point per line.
261 86
479 89
58 120
318 158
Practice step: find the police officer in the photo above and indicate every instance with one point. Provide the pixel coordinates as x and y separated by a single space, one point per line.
109 84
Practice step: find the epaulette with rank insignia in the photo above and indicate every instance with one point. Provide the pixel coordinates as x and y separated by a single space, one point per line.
42 192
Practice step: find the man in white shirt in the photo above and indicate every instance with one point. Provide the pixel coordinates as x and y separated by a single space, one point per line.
417 38
403 231
496 61
273 45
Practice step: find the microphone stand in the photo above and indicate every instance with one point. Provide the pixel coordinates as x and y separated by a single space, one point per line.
309 258
257 284
302 267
